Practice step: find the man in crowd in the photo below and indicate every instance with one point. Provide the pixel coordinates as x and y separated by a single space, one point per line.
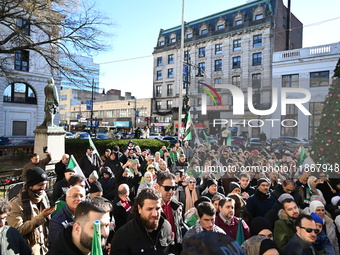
76 238
212 189
31 211
206 221
148 232
89 162
305 236
187 150
122 206
172 208
11 241
61 167
227 221
262 201
284 228
61 186
36 162
246 189
74 196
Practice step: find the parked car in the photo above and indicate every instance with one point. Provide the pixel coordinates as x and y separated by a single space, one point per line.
69 135
5 141
101 136
26 142
155 136
256 143
120 135
293 139
170 139
81 135
237 140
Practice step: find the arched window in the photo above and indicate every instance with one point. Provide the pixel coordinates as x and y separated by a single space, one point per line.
20 93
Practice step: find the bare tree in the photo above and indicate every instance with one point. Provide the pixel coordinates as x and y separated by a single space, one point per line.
54 29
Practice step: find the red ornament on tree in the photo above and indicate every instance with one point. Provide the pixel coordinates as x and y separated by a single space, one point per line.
8 181
321 149
329 141
328 130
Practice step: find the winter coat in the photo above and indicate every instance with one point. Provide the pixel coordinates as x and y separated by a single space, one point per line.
297 246
133 239
330 228
259 204
196 229
12 242
284 230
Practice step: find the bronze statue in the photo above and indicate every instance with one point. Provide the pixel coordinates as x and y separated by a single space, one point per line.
51 103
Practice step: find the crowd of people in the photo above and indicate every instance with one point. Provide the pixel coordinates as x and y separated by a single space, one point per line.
205 199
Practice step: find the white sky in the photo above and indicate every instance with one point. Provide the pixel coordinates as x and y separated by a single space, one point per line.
129 65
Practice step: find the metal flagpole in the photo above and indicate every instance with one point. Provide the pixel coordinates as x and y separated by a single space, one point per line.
181 62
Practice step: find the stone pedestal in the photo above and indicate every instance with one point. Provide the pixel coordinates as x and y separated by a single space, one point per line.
53 138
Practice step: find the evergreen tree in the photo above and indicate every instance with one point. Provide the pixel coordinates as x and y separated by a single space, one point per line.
326 142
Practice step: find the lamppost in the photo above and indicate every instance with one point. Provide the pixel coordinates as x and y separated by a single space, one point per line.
135 111
91 106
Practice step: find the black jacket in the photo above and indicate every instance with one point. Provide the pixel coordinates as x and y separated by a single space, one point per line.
60 169
297 246
134 239
297 198
64 245
87 167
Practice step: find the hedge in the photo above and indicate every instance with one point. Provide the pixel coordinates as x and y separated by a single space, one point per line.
77 147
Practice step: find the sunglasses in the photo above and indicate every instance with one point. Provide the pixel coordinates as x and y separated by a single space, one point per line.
309 230
168 188
192 182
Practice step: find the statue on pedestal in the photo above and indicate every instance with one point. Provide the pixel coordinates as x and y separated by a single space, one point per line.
51 104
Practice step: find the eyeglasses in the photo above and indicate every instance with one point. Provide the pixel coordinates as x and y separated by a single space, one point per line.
168 188
309 230
192 182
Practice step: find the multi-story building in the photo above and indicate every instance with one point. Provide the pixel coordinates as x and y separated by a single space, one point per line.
86 80
22 86
235 47
310 68
110 109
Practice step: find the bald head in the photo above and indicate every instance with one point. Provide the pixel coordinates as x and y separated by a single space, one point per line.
123 191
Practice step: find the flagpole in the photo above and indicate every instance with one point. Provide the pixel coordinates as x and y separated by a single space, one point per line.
181 75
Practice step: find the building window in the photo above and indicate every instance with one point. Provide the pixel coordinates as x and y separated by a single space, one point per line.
315 109
158 105
236 62
201 66
237 45
256 81
19 128
186 55
204 31
169 104
290 81
238 22
189 35
236 81
220 27
158 91
63 97
257 41
291 113
201 52
21 60
259 16
24 25
159 61
257 59
159 75
173 40
20 93
218 81
161 43
218 49
170 73
62 107
169 89
218 65
319 79
171 59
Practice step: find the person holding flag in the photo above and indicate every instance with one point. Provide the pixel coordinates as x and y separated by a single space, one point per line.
90 161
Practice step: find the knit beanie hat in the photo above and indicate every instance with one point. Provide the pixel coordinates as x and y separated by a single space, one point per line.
316 218
258 224
95 187
314 204
69 170
259 181
94 175
284 196
266 245
233 185
201 199
211 182
35 175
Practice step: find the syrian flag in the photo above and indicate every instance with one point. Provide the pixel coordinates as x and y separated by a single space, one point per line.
188 128
95 151
74 165
305 159
96 247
